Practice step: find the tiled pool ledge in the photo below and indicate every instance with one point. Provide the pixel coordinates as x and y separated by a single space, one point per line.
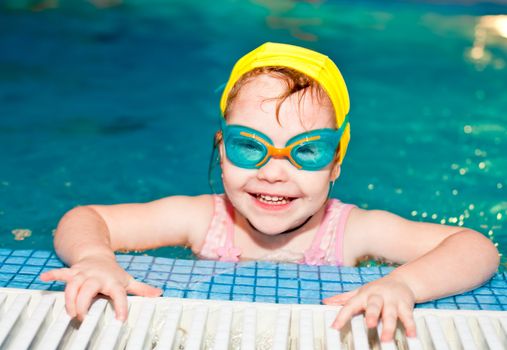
246 281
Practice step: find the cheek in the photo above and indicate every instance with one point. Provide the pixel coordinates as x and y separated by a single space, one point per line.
232 176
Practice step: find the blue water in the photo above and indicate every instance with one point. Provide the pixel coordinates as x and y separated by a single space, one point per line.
117 104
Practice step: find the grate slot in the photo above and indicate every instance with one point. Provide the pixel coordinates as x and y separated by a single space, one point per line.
111 335
196 333
28 333
140 334
332 335
306 336
170 327
390 345
249 329
13 316
489 333
85 333
222 335
281 335
359 334
465 334
436 332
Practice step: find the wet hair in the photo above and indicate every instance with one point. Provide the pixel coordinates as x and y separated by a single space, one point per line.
295 81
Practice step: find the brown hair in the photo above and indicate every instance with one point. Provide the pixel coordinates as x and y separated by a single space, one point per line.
296 82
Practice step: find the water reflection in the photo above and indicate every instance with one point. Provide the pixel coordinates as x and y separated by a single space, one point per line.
488 30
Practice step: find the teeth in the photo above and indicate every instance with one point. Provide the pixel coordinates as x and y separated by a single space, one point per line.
272 199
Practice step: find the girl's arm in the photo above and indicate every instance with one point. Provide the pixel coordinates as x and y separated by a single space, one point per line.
87 237
437 261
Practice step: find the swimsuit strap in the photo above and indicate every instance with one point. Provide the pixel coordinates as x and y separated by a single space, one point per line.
331 227
228 252
340 232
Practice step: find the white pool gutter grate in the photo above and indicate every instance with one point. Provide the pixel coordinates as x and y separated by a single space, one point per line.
37 320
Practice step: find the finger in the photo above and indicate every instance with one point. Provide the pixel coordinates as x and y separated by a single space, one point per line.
340 299
118 296
89 289
389 318
407 319
71 291
373 308
143 289
352 308
64 274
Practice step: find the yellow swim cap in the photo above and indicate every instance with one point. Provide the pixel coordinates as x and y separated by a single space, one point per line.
313 64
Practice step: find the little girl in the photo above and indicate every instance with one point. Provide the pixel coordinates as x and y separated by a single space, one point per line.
284 135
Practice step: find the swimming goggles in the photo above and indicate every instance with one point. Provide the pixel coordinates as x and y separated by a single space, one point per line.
251 149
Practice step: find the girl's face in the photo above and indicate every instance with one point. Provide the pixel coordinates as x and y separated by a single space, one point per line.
277 196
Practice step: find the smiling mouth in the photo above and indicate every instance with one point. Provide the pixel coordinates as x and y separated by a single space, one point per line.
272 199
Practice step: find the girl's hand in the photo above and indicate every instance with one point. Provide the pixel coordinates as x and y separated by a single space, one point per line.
387 297
94 275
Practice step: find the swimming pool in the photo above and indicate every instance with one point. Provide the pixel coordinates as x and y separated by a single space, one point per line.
117 104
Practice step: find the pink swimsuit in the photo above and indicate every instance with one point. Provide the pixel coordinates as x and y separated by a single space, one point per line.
326 248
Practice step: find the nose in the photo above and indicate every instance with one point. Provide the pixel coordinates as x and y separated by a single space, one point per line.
275 170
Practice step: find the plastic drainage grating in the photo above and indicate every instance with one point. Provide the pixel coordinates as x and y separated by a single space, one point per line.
245 281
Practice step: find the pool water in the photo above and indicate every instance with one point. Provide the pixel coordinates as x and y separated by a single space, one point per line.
115 103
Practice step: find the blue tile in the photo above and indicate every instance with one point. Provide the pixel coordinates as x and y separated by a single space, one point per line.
371 270
243 289
309 275
446 306
193 294
266 282
266 273
351 278
180 280
245 272
41 254
6 277
245 280
139 266
161 268
486 299
243 297
158 275
329 276
310 301
15 260
200 278
203 270
385 270
288 283
39 286
347 287
223 279
265 291
175 293
4 251
329 269
282 292
3 258
492 307
220 296
202 287
30 270
22 252
9 268
310 285
465 306
460 299
288 300
265 299
23 285
221 288
182 269
266 265
482 291
329 286
123 258
36 261
328 295
288 274
138 274
309 294
54 263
